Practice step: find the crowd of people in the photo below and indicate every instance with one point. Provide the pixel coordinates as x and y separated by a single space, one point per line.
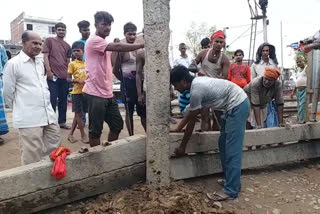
227 97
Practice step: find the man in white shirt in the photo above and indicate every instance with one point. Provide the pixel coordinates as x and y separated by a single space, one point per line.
183 58
26 92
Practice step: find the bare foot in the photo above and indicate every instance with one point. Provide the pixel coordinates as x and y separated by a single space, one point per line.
71 139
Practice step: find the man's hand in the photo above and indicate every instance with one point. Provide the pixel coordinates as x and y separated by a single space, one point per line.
78 81
141 100
49 75
291 95
180 151
201 73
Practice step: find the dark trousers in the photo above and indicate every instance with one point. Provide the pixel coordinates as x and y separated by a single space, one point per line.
58 96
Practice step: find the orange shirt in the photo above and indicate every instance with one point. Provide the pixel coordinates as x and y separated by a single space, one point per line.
239 74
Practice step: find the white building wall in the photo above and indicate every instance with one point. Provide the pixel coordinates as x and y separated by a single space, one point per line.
41 28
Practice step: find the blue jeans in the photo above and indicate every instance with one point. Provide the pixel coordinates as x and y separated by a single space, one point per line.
59 96
233 124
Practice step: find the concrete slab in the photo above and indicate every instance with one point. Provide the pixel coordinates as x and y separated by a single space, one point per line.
36 179
207 164
76 190
208 141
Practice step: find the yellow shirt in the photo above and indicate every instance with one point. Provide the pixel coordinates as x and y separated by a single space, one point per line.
77 69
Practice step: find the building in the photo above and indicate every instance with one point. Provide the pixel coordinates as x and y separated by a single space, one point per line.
11 48
43 26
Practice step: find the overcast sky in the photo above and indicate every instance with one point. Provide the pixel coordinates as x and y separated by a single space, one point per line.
300 18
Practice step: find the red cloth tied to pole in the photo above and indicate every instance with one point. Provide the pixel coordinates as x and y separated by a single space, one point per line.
59 157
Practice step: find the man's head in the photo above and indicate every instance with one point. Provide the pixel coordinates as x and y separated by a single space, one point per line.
182 48
103 21
265 52
180 78
270 76
84 29
218 40
78 49
238 55
32 43
205 43
130 32
60 29
300 62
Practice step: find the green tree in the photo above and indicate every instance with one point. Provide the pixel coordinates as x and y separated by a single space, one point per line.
195 34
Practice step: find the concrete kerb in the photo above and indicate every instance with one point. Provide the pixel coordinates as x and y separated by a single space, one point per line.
31 188
208 141
36 178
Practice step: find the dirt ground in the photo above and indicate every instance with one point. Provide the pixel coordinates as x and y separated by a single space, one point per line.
293 188
286 189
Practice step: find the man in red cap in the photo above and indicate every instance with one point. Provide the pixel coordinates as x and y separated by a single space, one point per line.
214 63
261 91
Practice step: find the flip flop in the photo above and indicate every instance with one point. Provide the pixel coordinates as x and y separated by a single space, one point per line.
71 139
65 126
106 143
218 197
85 140
83 150
221 182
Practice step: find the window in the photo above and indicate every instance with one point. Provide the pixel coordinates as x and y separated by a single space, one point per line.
52 30
29 27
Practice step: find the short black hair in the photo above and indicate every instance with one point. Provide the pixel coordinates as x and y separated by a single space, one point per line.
179 73
239 51
83 24
25 36
78 45
60 24
129 27
103 16
205 42
181 44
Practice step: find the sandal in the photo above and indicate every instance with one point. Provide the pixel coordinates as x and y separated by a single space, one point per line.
106 143
219 196
65 126
85 140
71 139
83 150
221 182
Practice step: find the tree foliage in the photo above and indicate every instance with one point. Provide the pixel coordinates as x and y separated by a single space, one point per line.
195 34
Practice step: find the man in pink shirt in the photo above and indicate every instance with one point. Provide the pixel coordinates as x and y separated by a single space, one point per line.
102 107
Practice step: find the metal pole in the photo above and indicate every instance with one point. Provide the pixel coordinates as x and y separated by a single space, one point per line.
265 33
281 45
315 83
282 76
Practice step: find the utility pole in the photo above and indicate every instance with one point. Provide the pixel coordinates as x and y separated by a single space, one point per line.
225 41
281 44
263 5
156 28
